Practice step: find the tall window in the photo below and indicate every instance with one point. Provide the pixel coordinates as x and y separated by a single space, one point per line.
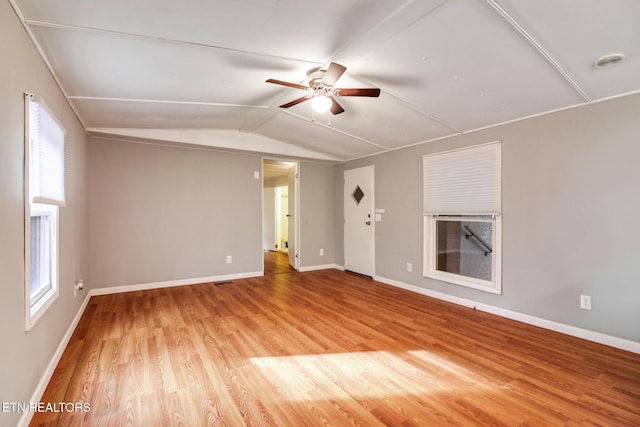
462 216
44 195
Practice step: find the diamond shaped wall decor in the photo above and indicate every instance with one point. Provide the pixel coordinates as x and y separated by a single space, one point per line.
357 195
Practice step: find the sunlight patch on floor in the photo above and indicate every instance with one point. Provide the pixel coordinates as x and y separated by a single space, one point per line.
374 374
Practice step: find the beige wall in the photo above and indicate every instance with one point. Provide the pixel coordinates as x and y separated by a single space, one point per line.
570 206
24 356
162 213
317 214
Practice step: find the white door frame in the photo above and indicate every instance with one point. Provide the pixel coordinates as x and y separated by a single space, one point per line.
295 216
296 222
367 262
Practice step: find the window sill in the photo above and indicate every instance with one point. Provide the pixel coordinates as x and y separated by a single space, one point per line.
469 282
40 308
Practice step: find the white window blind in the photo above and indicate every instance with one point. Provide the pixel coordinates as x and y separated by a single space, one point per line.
466 181
46 152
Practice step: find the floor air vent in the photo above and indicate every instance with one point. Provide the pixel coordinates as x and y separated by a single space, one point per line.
228 282
359 274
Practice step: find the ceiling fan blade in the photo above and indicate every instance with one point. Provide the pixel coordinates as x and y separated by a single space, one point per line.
335 107
295 102
283 83
372 92
333 73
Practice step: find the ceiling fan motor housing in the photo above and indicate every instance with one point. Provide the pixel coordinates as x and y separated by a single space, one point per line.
315 76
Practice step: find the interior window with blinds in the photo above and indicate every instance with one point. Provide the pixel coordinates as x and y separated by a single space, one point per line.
462 204
44 195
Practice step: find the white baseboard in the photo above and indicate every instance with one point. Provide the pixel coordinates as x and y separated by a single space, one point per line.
53 363
532 320
170 283
321 267
586 334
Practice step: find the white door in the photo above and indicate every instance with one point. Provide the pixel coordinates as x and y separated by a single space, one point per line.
292 215
359 235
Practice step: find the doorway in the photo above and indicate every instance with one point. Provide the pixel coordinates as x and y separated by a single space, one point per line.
359 221
280 227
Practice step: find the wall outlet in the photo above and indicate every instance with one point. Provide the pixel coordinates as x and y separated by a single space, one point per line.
585 302
229 259
78 286
409 267
321 252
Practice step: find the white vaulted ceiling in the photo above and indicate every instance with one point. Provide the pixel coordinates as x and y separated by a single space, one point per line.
194 72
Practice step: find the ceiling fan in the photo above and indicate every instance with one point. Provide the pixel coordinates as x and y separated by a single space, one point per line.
321 91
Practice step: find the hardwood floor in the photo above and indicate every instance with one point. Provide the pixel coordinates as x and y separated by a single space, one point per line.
329 348
276 263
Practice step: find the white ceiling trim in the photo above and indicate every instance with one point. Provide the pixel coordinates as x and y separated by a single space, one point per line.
328 126
125 34
508 18
405 16
45 60
519 119
229 139
412 107
161 101
152 75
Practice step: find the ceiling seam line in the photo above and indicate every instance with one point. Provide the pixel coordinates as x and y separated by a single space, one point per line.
409 106
366 141
243 128
158 39
471 131
524 33
380 24
160 101
46 62
187 145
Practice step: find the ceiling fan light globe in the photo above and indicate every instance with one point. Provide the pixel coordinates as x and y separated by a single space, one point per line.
321 104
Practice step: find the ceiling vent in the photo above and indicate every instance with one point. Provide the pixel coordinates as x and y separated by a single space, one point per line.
607 60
